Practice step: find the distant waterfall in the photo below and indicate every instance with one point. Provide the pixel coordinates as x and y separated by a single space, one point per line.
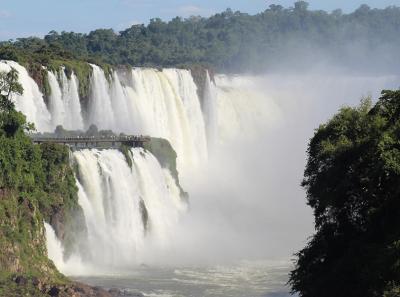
73 117
100 110
64 103
242 107
31 102
152 102
211 112
127 210
160 103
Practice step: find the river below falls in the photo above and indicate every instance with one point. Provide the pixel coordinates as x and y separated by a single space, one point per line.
247 279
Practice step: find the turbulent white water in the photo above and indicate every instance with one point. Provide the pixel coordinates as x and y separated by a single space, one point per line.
64 102
54 247
128 211
165 104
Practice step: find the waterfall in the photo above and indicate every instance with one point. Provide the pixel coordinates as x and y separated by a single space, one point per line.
54 247
56 105
157 103
64 103
73 114
100 110
31 102
243 107
210 112
127 210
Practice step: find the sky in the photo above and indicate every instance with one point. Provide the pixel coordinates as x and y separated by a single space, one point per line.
21 18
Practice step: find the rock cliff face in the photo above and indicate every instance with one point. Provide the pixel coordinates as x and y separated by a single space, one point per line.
36 185
166 156
199 74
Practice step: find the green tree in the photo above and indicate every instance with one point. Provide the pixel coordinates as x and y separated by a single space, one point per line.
352 180
9 85
11 121
229 41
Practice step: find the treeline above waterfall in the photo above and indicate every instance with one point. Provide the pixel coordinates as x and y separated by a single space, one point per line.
231 41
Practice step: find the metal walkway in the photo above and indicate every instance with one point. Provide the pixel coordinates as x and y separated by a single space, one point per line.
94 142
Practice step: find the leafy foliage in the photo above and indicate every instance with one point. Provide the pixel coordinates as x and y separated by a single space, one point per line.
9 85
352 180
36 184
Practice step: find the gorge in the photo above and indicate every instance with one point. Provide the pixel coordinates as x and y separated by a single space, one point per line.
140 200
134 209
246 152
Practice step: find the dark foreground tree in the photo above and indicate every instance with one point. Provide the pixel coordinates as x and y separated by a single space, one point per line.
352 180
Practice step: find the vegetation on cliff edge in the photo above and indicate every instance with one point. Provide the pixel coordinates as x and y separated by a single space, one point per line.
36 184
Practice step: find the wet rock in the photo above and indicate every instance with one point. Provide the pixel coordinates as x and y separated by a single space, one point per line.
57 222
133 295
54 292
21 281
114 292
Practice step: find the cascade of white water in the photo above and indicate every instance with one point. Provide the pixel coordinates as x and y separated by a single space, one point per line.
166 104
126 209
122 106
31 102
70 94
210 112
56 104
64 103
157 103
54 247
182 82
100 110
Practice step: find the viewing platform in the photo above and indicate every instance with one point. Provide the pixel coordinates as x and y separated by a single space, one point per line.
101 142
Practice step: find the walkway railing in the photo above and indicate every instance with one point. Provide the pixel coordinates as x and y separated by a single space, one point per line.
94 142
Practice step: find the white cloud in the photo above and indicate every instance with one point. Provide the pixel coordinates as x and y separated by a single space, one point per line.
136 3
191 10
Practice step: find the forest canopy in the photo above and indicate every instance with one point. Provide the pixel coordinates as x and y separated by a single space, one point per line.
232 41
